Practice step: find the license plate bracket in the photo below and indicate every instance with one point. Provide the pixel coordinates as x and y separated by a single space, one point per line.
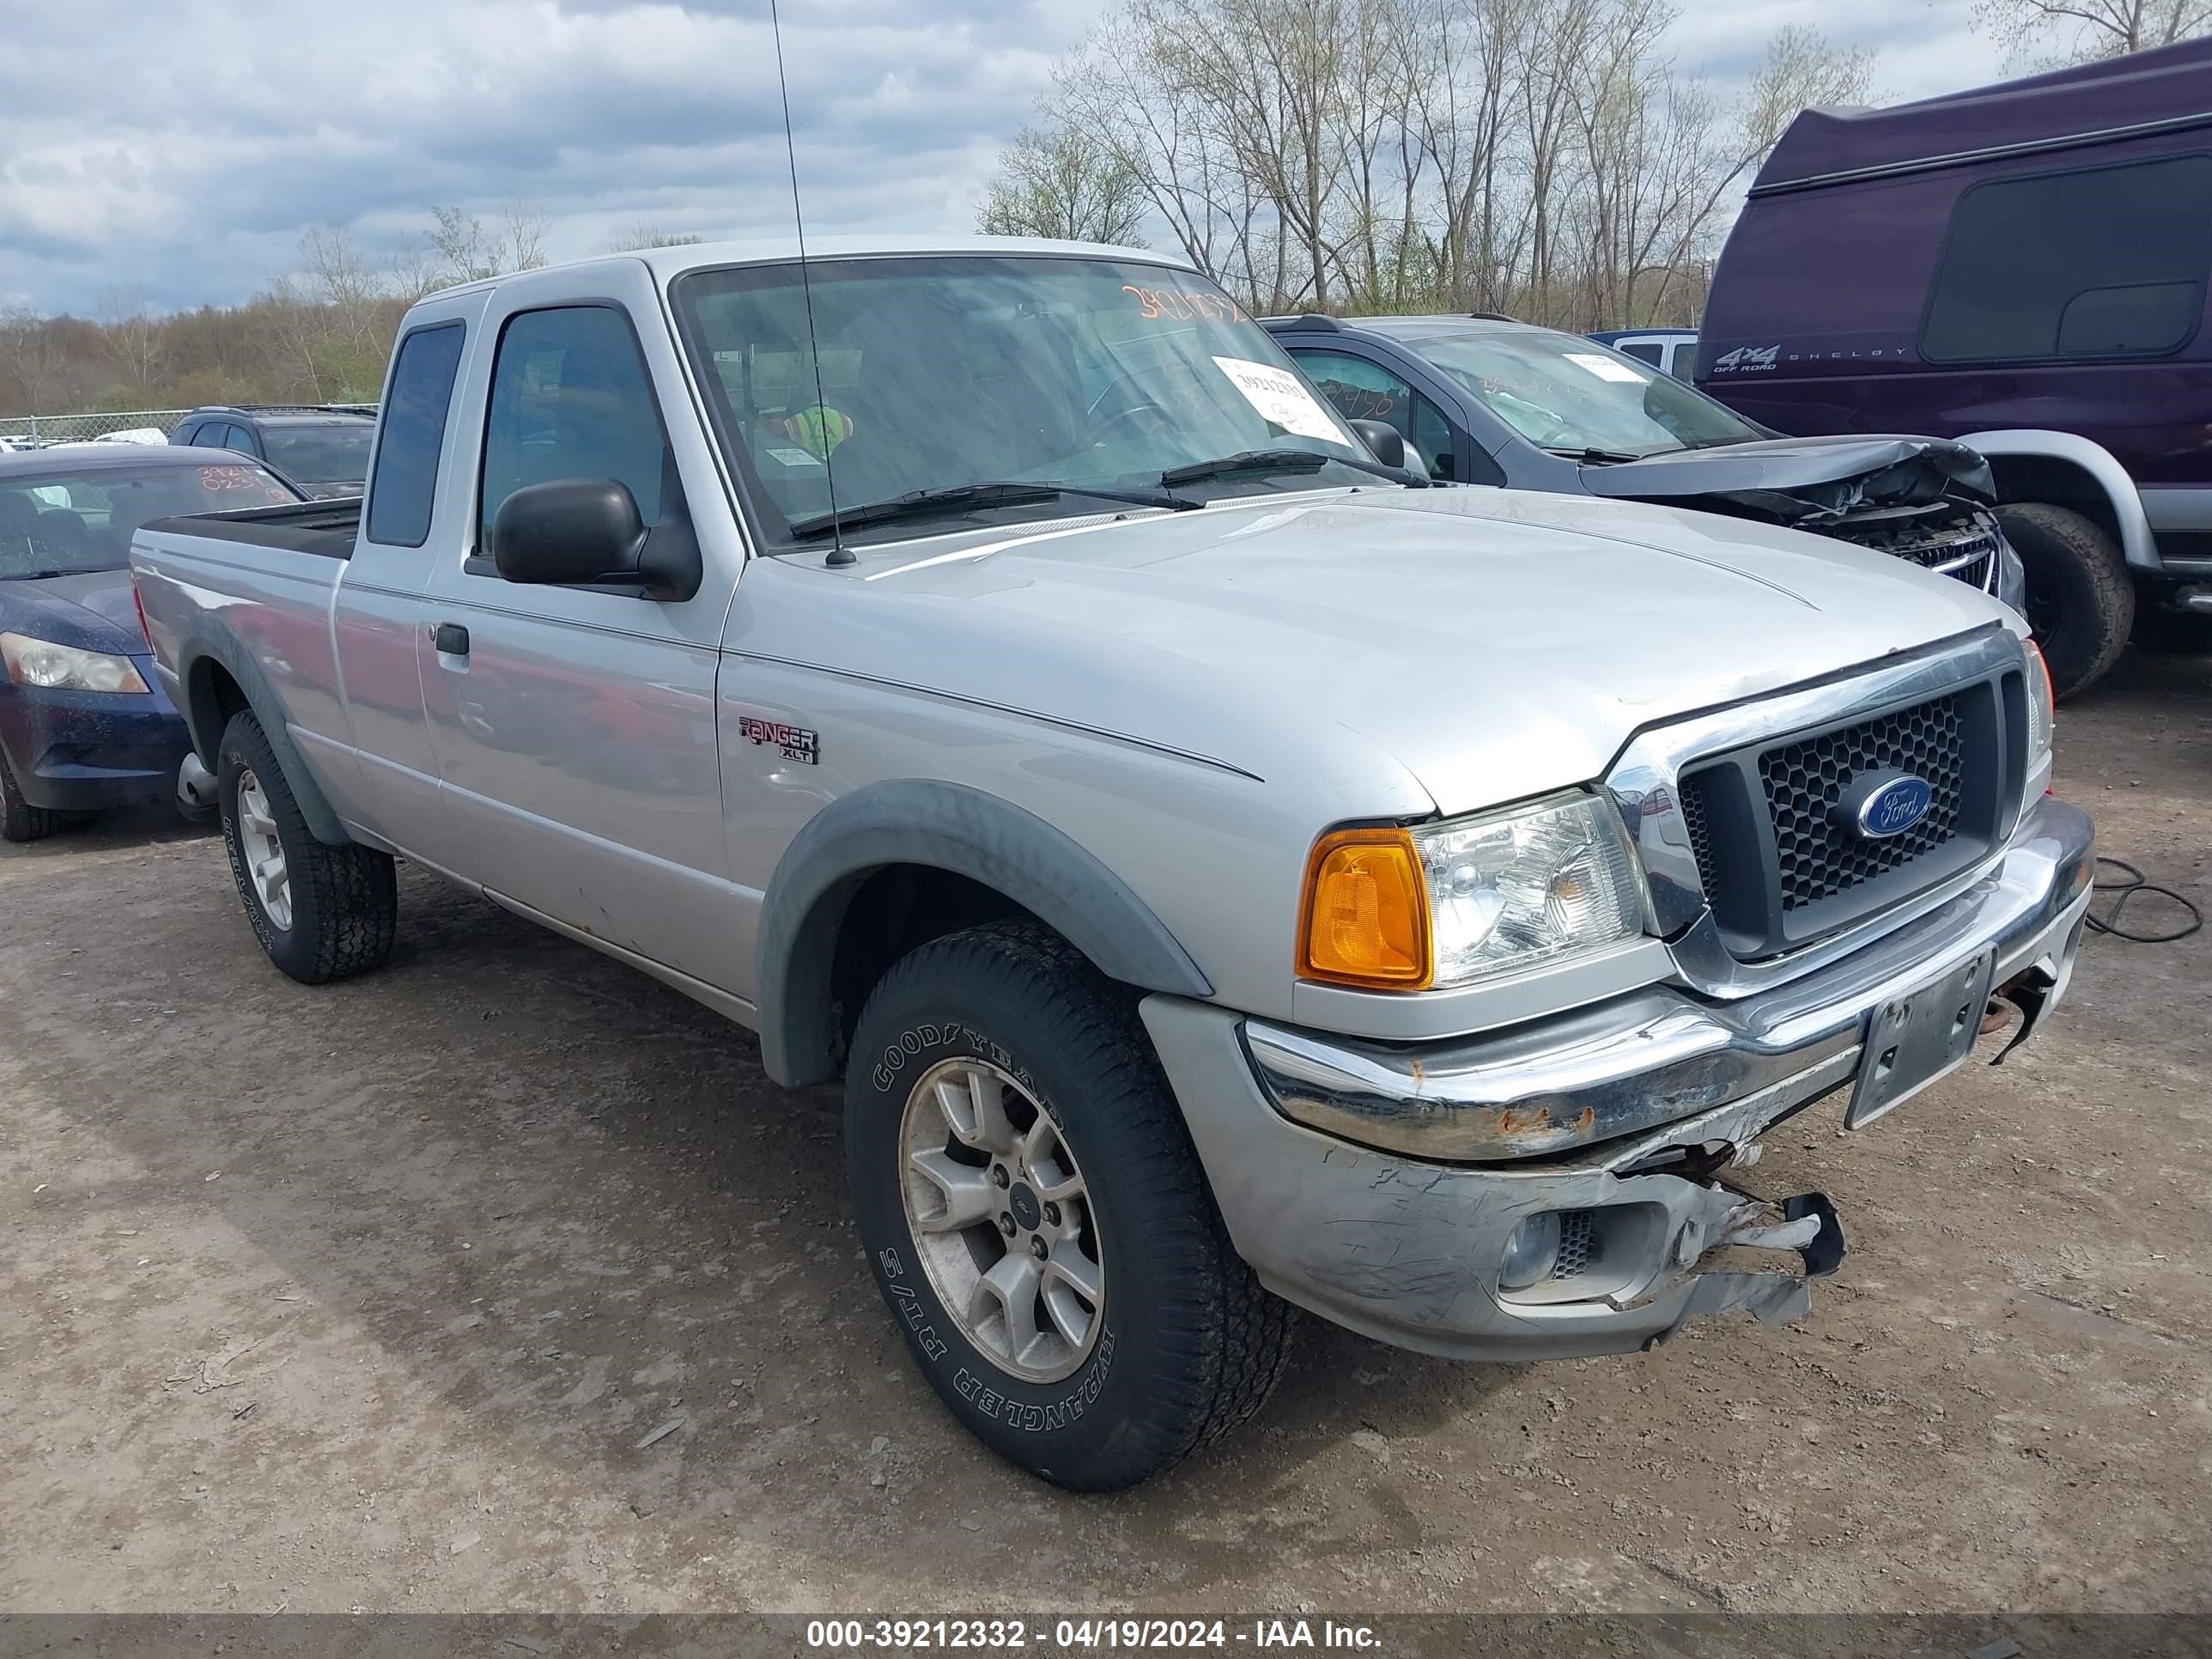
1919 1038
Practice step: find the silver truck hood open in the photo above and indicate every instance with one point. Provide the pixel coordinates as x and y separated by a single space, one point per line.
1492 644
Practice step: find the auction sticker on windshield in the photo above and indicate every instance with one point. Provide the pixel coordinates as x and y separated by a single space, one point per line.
1279 397
1604 369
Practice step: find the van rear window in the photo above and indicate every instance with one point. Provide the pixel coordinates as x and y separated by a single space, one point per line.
2100 262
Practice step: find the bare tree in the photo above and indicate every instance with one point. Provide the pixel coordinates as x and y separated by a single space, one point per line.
462 248
2050 33
642 235
133 329
1062 181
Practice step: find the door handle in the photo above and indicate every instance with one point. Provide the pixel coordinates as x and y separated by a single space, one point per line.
452 639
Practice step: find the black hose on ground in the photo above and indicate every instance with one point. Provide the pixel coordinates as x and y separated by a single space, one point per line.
2134 882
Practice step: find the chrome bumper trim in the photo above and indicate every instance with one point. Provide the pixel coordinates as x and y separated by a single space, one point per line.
1663 1055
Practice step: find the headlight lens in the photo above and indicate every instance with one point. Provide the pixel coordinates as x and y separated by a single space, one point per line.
1510 890
66 668
2042 711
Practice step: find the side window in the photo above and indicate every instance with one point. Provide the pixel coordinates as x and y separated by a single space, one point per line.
1645 351
570 400
2126 276
245 439
404 488
1361 391
215 435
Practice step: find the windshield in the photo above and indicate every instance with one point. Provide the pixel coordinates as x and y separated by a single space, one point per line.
948 371
1562 391
62 524
320 454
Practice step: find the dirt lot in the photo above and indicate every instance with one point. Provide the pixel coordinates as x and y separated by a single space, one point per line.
367 1298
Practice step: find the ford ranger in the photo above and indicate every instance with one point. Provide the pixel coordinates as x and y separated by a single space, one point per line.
1226 874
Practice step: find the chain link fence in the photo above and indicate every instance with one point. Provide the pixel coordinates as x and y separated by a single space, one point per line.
16 429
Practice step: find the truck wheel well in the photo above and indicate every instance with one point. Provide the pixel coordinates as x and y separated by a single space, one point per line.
214 696
896 909
2021 478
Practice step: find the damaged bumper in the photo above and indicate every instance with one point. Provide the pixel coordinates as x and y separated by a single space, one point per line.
1595 1216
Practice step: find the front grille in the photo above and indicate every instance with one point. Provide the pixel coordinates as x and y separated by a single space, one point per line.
1816 856
1962 546
1783 863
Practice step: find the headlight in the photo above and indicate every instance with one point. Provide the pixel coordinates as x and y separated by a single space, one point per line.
1445 904
66 668
2042 710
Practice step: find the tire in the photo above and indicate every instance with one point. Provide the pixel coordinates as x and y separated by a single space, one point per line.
19 819
1181 1344
2080 600
338 907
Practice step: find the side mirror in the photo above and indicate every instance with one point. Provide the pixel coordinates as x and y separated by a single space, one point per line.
1384 441
586 532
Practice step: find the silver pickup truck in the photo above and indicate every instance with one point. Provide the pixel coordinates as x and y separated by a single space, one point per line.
1223 875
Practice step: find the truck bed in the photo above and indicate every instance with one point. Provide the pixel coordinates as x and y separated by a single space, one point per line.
323 528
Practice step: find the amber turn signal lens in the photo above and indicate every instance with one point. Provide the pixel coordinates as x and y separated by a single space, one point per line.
1366 918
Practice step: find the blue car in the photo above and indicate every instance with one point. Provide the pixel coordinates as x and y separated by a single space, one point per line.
84 724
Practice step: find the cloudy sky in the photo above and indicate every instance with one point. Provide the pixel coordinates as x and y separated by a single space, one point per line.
179 149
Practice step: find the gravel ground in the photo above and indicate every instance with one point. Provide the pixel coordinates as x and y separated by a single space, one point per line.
372 1298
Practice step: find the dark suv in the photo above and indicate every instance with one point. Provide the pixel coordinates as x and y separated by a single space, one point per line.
2034 255
323 448
1487 400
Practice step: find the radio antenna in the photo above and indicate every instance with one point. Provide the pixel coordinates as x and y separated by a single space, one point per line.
839 554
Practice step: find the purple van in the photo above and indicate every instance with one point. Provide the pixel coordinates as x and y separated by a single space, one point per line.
2023 267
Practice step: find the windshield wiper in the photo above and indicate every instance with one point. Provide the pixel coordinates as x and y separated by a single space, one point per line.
1275 460
954 498
1599 457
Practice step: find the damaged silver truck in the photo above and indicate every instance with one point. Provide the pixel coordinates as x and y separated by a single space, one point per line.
1224 871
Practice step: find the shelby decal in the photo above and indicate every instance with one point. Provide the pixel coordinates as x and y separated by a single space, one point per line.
793 743
1034 1418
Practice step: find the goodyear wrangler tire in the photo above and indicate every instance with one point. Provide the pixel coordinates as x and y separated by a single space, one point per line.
1036 1220
321 913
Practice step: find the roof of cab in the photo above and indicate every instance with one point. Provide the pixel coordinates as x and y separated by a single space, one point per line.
2092 103
667 263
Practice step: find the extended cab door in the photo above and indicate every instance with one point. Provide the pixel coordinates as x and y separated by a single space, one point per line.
574 726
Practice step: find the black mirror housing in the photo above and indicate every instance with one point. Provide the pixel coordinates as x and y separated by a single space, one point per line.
1384 441
588 533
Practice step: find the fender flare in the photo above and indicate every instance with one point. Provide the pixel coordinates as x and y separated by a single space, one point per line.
208 641
2137 545
966 832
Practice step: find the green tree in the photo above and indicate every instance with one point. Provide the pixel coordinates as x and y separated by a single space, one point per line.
1060 182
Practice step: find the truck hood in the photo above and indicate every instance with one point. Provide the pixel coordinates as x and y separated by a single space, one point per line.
1453 647
92 610
1809 482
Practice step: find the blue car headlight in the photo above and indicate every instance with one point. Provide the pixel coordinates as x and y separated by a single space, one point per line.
66 668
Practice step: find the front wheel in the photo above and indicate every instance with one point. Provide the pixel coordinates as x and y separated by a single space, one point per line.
19 819
2080 601
321 913
1036 1217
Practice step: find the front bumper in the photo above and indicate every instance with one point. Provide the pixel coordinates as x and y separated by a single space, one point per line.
84 751
1621 1114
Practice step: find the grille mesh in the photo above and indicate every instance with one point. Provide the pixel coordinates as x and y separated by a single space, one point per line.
1575 1230
1819 857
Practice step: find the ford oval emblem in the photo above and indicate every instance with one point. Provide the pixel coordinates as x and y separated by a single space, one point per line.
1885 804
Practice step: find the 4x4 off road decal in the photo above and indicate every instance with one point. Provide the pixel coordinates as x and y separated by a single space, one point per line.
793 743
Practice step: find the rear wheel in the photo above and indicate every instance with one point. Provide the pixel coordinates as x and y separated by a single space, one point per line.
321 913
2080 601
1036 1220
19 819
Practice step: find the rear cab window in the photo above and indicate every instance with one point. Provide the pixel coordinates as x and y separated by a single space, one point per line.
403 489
2126 278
